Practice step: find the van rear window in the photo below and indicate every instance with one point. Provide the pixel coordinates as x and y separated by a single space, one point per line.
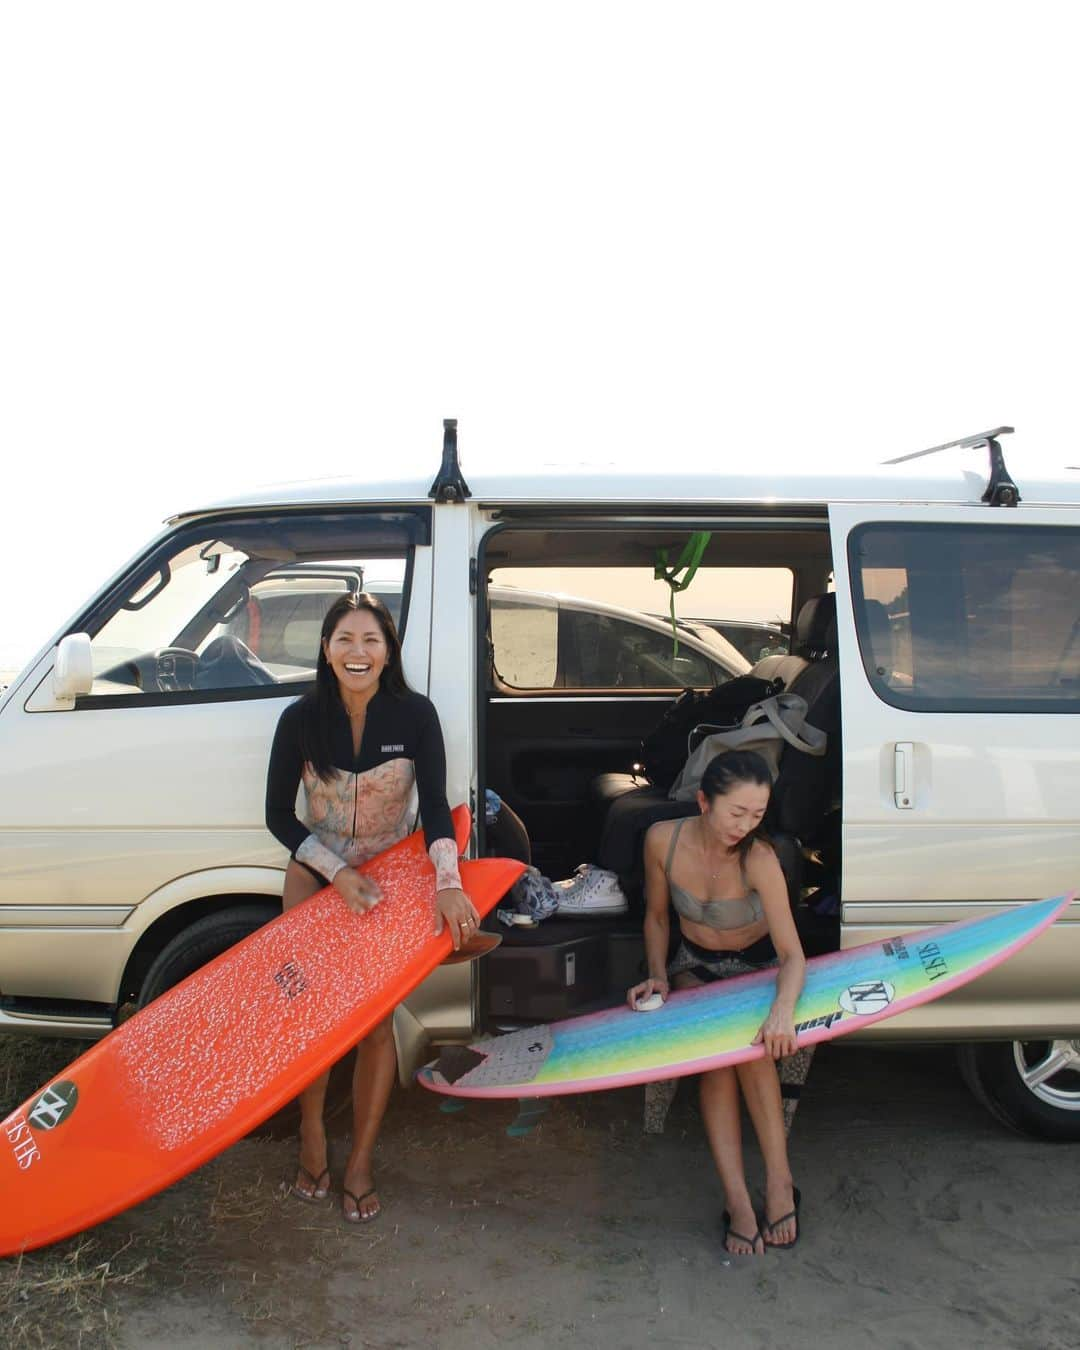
969 618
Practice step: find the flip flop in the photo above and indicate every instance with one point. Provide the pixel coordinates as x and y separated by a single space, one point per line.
741 1237
791 1214
312 1197
358 1201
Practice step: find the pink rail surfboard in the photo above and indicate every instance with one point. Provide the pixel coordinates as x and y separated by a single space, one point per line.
715 1024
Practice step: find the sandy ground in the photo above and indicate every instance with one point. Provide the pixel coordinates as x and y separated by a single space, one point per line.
926 1225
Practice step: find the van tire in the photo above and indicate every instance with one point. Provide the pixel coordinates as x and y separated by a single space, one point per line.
995 1074
199 943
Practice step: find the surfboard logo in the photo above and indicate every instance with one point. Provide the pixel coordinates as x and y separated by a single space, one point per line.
54 1105
22 1142
869 996
290 980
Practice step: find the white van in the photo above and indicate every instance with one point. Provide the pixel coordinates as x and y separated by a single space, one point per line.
937 636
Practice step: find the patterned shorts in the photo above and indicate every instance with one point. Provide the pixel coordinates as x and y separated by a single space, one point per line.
720 965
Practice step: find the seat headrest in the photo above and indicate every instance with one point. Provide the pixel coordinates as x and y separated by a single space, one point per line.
815 628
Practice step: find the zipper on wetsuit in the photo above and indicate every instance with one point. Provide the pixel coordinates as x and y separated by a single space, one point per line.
356 791
356 780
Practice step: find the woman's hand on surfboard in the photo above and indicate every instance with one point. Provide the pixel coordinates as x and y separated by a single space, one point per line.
453 907
646 989
777 1034
360 893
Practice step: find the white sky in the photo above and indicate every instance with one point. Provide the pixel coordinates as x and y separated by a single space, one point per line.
246 242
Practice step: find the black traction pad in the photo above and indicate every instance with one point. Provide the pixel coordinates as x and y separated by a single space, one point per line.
455 1061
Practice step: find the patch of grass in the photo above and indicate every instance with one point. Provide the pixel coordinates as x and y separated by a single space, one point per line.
62 1296
70 1294
29 1062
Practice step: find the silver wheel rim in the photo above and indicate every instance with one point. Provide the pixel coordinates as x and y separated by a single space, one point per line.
1050 1070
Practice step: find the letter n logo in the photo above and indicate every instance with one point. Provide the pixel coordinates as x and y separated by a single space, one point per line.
54 1105
869 996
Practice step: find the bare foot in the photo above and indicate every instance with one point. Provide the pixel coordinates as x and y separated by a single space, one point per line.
359 1198
312 1178
781 1199
741 1236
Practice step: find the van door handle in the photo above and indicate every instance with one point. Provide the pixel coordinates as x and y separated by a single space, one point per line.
904 775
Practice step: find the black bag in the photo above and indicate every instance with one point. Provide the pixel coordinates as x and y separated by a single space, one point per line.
664 749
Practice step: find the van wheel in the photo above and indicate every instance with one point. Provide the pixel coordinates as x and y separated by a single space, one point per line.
201 942
1033 1087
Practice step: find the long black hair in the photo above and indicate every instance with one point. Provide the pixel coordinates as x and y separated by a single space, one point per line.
319 706
729 770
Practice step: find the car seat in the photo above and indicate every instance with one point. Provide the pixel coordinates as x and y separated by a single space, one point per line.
806 787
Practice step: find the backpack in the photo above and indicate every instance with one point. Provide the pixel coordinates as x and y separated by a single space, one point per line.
665 748
766 728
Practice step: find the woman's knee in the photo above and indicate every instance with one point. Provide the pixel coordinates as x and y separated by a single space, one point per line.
758 1073
713 1080
382 1033
299 884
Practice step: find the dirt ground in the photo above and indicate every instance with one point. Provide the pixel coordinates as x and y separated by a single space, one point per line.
925 1225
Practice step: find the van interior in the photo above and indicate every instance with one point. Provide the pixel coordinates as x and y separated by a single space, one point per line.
566 705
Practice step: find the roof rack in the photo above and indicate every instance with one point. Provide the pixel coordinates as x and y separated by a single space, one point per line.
449 485
1000 489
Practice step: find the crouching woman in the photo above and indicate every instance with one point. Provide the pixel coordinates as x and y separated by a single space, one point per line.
722 878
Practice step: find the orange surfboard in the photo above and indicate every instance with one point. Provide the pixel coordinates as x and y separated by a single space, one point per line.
224 1049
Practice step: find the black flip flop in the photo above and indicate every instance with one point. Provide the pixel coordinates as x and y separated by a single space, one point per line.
358 1200
791 1214
741 1237
316 1184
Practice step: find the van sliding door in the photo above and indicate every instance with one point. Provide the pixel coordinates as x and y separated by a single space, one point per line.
959 638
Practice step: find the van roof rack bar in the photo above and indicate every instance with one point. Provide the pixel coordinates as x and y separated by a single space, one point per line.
1000 490
449 485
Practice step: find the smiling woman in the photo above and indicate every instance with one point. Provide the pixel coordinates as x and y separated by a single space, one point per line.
365 753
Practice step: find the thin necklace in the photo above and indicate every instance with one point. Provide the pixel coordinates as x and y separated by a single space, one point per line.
709 869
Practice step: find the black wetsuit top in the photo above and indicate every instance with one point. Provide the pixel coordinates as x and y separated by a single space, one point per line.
371 800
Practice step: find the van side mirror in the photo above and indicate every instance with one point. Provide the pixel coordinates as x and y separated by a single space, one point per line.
73 670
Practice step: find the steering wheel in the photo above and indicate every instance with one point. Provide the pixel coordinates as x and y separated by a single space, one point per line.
167 670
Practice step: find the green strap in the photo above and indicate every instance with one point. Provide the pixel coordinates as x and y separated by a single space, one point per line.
689 560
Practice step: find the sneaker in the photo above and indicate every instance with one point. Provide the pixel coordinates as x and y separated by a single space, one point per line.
591 892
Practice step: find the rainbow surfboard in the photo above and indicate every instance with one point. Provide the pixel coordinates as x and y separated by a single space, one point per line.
221 1051
715 1024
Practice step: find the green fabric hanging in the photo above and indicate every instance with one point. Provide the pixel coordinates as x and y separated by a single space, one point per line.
689 561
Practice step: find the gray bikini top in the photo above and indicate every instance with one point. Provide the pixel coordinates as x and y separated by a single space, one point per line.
712 913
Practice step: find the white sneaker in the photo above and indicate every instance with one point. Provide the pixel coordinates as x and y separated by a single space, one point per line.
591 892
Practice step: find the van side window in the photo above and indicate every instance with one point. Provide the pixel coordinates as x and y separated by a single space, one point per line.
525 641
969 618
235 609
615 653
609 627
